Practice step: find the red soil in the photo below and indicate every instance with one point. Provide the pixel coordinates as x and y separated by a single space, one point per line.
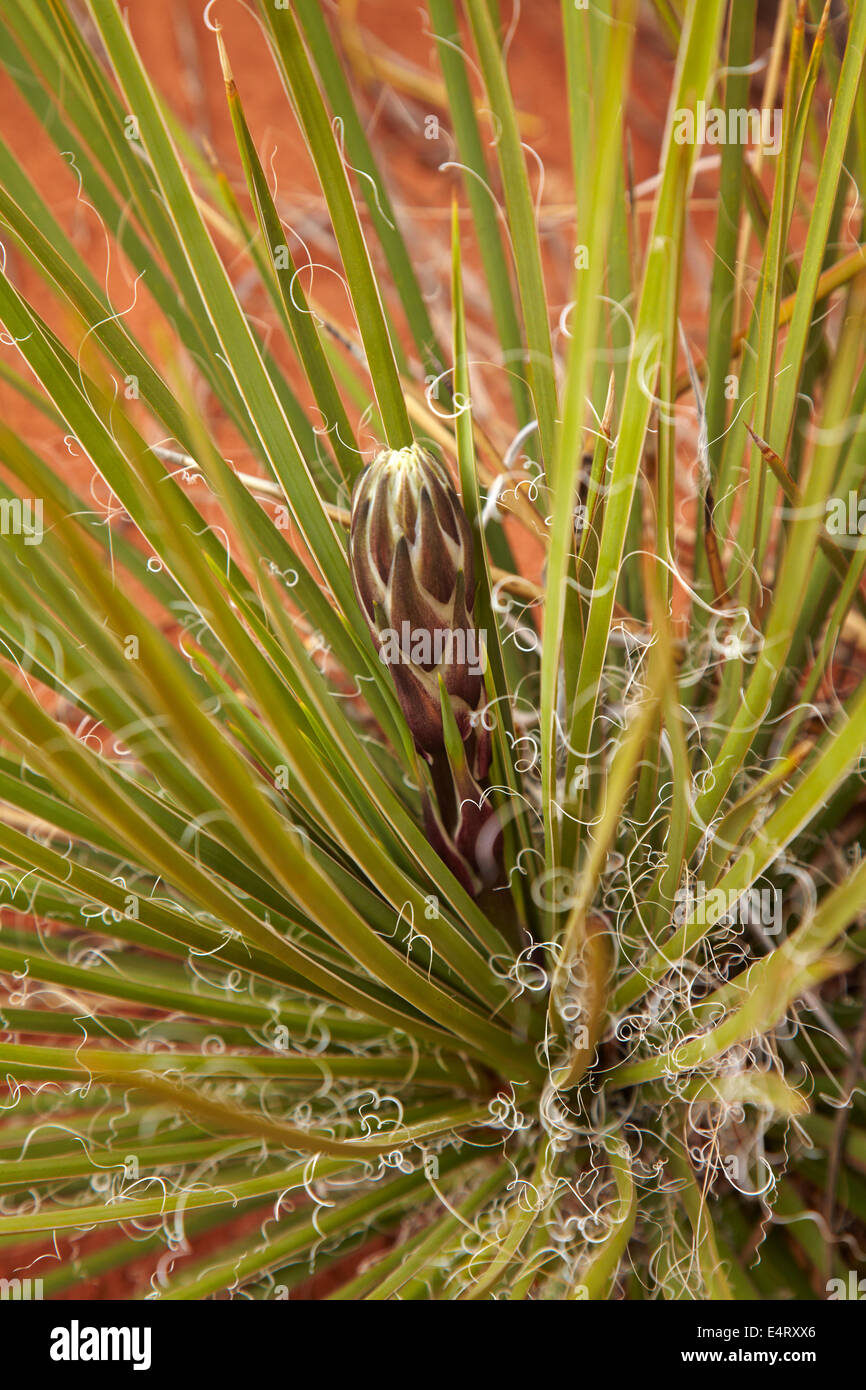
182 58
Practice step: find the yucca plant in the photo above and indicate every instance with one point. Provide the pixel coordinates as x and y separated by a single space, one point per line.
527 965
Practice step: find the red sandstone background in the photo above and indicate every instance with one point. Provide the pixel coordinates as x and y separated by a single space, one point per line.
386 38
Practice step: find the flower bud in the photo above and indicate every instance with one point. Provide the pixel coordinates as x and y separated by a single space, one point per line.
411 557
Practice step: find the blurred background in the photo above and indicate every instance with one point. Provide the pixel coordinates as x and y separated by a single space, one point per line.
388 50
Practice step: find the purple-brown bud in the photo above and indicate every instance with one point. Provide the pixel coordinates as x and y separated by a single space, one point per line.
411 557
